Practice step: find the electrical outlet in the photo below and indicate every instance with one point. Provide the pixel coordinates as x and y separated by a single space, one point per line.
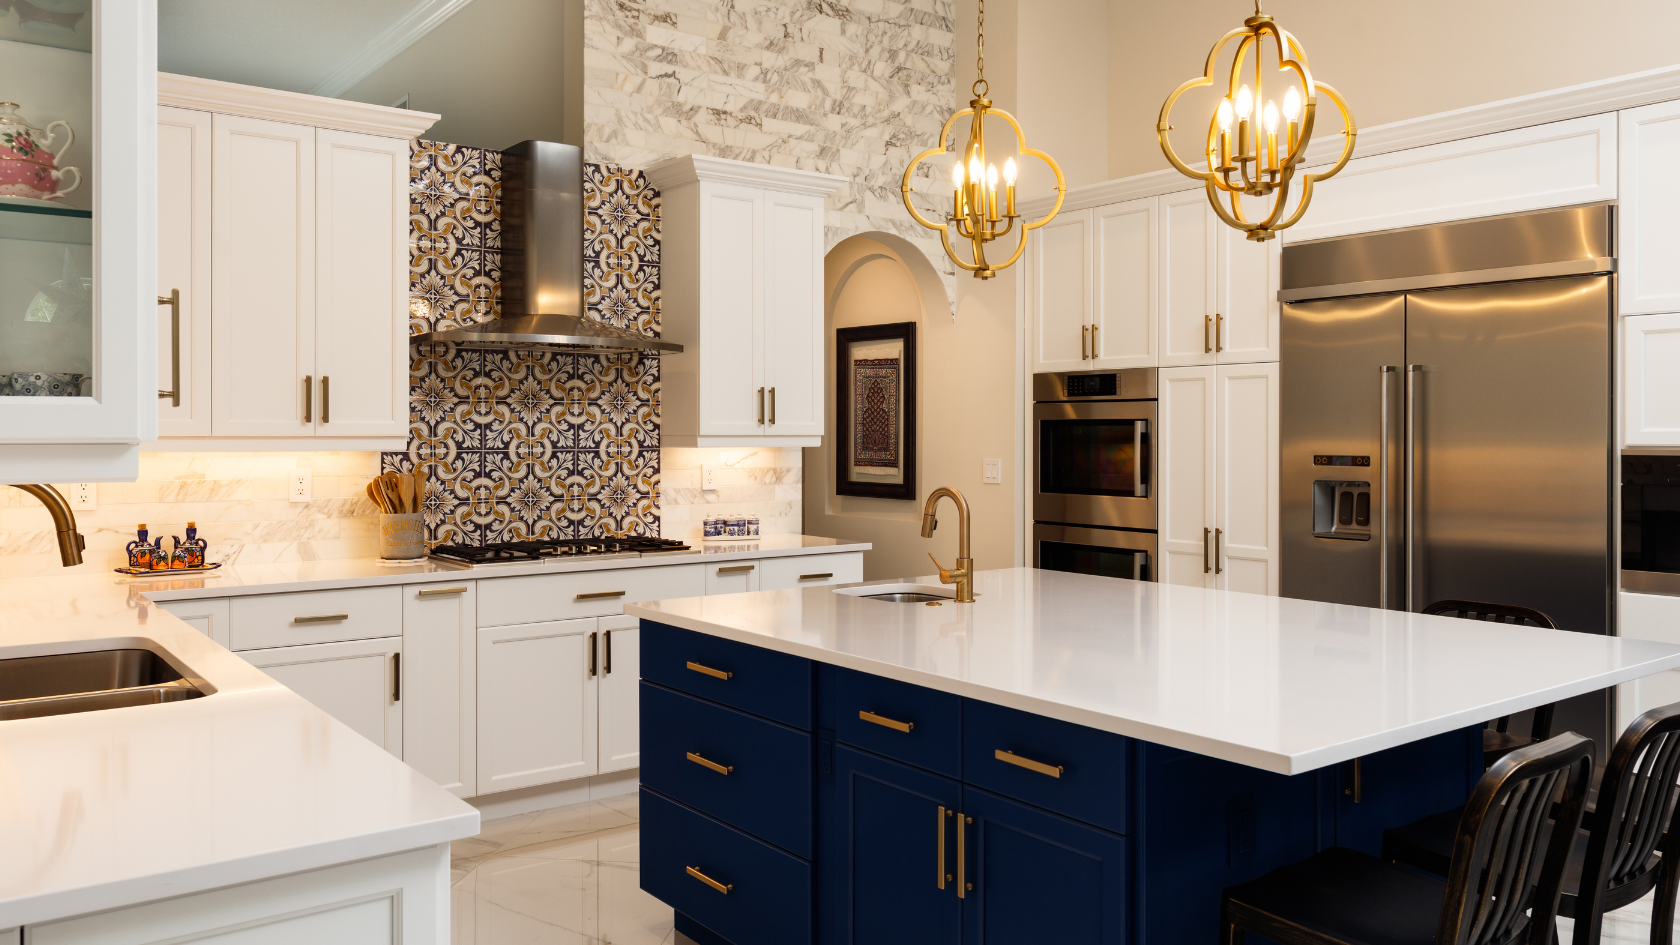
84 495
298 487
708 478
991 470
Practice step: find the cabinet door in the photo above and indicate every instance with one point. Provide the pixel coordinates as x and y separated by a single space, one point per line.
1651 371
439 676
731 303
1189 264
883 837
793 314
1246 476
1187 446
734 577
262 289
183 210
621 664
1040 878
537 704
361 284
1649 150
353 682
1059 293
1126 313
209 617
1246 311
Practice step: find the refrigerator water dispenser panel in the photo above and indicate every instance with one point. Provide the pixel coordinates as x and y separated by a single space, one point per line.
1342 509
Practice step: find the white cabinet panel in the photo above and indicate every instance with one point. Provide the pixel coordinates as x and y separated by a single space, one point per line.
1651 380
1247 513
1189 286
183 206
1247 322
733 577
535 597
361 284
774 574
439 684
1186 471
536 705
793 314
731 383
349 613
209 617
1125 311
1647 617
353 682
263 276
621 665
1649 205
1059 293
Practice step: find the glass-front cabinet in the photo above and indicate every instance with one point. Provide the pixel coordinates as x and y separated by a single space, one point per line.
78 209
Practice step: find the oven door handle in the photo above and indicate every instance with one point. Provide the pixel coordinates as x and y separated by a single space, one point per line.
1140 467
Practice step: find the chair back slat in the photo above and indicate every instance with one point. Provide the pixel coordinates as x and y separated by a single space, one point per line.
1652 788
1491 613
1507 868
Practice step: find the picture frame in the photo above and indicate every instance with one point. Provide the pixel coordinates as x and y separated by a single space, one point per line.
875 411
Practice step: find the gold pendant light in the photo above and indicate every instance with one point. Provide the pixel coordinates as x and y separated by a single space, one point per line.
1257 165
975 212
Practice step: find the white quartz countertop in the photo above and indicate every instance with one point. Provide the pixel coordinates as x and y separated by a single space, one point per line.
1276 683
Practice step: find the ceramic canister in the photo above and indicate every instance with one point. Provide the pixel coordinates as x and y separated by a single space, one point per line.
28 165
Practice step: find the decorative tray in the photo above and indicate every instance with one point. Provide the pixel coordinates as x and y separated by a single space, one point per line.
169 572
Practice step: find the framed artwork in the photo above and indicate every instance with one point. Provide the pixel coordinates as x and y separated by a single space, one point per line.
875 411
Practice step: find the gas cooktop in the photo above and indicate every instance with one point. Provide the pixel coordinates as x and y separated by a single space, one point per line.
556 549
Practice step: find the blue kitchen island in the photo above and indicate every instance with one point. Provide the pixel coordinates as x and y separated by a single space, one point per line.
1068 759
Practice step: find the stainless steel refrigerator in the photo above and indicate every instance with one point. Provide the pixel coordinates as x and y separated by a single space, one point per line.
1447 420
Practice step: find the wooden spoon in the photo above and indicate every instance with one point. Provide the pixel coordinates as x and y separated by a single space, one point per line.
405 485
393 491
374 497
419 487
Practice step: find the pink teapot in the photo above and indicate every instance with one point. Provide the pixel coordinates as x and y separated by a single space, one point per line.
27 167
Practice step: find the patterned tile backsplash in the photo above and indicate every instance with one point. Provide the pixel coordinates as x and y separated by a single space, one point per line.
530 444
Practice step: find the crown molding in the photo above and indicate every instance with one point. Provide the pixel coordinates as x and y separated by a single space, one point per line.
390 43
1539 108
252 101
692 168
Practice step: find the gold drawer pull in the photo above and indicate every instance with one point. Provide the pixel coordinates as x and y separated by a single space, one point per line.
709 671
323 618
441 591
817 577
599 595
720 887
720 769
737 569
1055 771
868 716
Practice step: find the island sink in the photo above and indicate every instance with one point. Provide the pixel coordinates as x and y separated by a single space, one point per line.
901 593
63 683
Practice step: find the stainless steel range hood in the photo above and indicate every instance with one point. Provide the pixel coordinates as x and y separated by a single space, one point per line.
542 263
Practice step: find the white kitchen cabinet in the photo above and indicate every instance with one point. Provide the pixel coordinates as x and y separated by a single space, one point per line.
1059 304
439 684
742 270
354 682
1218 457
1647 617
1651 380
1125 316
621 663
183 235
733 577
209 617
1248 318
1649 184
775 574
1189 261
537 707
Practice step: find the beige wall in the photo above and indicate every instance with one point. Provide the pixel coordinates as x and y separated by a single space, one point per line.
1391 62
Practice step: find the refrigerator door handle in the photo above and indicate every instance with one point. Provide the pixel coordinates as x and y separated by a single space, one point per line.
1382 492
1412 371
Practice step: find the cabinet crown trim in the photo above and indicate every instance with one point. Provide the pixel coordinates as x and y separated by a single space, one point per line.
692 168
230 98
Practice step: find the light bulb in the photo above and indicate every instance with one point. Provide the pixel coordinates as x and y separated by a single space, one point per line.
1271 117
1245 103
1291 103
974 174
991 177
1224 114
1009 172
957 176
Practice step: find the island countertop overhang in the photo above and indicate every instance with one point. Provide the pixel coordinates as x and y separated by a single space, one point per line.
1275 683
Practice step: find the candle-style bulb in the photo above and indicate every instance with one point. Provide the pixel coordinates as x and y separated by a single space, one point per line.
1224 114
1009 172
991 177
1245 103
957 175
1271 117
1291 104
974 174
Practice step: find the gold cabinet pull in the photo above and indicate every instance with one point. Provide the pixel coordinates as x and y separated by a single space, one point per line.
720 769
1055 771
326 398
882 720
396 677
963 885
709 671
308 396
737 569
173 300
321 618
1084 341
817 577
720 887
943 813
1094 341
1219 333
440 591
772 406
1218 566
761 406
598 595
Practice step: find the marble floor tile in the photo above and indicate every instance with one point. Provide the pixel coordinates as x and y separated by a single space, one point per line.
1629 925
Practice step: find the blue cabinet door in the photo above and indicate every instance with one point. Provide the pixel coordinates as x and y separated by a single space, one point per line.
878 854
1039 877
1399 785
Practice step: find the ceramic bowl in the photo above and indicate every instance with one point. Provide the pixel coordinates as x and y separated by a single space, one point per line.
27 384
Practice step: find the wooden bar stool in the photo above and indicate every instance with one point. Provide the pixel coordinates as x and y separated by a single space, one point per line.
1497 740
1502 887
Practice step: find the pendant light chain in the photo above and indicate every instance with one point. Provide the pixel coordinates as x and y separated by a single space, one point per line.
981 86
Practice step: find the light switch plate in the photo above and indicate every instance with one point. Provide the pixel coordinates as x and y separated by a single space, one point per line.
83 495
992 471
298 487
708 478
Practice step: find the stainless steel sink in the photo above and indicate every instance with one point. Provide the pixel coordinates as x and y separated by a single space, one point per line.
62 683
902 597
902 592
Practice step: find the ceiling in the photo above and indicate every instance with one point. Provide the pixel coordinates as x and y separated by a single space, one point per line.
321 47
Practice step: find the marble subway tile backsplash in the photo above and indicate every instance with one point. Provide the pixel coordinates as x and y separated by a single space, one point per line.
764 482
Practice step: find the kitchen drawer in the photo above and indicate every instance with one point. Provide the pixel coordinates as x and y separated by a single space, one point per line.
934 739
352 613
1093 782
767 789
774 574
753 679
538 597
769 897
731 577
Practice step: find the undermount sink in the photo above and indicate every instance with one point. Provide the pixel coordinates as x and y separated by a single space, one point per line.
63 683
901 593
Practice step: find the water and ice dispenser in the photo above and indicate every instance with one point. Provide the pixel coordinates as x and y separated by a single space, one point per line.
1342 507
